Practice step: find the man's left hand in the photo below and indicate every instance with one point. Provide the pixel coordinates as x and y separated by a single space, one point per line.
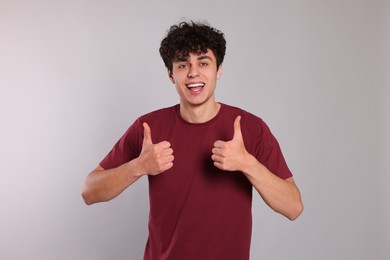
231 155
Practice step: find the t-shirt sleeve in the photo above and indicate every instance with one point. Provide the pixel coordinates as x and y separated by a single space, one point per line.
270 154
127 148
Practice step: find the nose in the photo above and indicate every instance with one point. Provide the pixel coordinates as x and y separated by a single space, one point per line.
193 72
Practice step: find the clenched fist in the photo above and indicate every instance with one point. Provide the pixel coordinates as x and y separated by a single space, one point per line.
231 155
155 158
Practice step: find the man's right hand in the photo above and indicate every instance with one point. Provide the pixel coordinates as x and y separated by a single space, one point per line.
154 158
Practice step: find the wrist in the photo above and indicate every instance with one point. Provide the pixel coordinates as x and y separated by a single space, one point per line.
135 168
251 165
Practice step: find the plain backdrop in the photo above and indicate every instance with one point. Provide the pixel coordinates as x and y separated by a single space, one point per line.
75 74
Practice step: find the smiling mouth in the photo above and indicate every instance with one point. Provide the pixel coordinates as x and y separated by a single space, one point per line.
195 88
195 85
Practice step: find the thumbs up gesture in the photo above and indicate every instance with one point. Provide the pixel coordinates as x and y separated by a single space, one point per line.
231 155
155 158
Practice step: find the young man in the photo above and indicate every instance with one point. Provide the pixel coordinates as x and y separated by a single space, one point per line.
202 159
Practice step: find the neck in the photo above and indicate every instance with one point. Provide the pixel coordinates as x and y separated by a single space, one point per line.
199 114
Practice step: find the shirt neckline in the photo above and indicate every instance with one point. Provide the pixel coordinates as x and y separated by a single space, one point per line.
209 122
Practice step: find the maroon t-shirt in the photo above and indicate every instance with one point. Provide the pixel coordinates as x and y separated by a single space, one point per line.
198 211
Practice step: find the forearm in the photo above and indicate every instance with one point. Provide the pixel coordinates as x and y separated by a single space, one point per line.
281 195
103 185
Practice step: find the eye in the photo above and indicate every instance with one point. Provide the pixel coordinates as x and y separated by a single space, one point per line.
182 66
203 64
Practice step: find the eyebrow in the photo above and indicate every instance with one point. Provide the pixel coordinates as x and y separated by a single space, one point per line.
204 57
181 59
186 59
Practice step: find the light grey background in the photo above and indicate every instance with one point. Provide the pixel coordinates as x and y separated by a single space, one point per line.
75 74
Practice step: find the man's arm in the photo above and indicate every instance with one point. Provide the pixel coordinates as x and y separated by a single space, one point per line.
282 196
104 185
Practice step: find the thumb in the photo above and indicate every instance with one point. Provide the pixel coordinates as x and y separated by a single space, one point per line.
237 129
147 134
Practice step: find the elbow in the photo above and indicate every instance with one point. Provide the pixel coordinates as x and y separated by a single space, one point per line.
88 200
90 196
295 212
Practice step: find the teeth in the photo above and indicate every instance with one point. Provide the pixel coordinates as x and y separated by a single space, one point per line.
195 85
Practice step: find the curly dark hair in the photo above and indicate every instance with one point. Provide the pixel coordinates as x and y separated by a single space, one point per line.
192 37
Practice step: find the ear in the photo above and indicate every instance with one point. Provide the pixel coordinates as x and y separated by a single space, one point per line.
170 77
219 72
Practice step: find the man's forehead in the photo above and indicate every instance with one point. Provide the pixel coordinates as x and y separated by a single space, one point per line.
181 56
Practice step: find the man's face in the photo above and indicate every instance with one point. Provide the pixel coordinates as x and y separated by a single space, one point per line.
195 78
